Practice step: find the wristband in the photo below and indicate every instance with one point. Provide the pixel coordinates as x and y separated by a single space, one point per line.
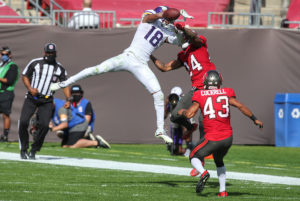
183 113
70 99
253 118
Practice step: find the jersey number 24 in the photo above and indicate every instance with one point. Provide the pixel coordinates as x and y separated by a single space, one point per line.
194 64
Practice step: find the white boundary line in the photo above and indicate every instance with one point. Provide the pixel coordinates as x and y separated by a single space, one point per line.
162 169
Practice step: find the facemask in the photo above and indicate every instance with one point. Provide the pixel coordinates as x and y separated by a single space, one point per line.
5 58
50 59
168 25
77 98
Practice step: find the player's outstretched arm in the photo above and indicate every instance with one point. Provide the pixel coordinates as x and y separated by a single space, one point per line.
245 110
191 35
152 17
191 112
172 65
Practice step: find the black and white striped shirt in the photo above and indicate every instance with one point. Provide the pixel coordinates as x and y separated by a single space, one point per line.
41 75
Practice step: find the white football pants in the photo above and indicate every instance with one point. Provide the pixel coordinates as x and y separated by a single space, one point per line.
141 71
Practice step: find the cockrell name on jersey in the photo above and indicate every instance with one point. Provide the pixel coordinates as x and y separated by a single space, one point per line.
213 92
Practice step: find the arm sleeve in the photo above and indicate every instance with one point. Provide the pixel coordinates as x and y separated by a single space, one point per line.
28 71
180 56
63 75
231 93
11 74
89 109
197 96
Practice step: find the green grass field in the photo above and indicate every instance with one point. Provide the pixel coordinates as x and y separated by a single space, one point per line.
24 181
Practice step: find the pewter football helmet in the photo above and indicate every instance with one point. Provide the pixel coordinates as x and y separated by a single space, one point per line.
212 79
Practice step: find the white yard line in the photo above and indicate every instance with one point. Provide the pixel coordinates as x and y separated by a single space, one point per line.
163 169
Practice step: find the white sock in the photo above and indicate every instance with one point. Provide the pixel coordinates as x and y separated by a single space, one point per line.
159 108
196 163
221 171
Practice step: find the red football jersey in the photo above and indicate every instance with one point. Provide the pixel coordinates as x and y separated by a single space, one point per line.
215 108
197 62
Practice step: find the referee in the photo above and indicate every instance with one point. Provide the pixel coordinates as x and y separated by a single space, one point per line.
37 77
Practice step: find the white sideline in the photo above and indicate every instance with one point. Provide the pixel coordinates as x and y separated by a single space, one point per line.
105 164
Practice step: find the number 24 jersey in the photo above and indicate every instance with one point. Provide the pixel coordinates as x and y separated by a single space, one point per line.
215 108
197 62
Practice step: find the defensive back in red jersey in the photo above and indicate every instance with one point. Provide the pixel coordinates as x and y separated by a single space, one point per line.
197 62
215 108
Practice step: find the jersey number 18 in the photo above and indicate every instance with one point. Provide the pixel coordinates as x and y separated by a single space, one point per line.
155 36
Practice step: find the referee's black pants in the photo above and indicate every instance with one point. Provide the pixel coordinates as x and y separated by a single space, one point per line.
44 111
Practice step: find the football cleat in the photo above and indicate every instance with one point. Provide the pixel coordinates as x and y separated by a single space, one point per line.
223 194
194 172
24 154
185 14
3 138
31 155
187 153
57 86
102 143
201 183
160 133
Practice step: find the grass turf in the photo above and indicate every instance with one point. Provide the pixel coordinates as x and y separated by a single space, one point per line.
30 181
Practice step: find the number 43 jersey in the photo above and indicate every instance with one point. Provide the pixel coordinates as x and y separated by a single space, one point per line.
148 37
215 108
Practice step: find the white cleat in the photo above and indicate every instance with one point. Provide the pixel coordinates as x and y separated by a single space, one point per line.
185 14
162 135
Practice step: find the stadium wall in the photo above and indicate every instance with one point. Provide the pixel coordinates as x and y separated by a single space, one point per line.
257 63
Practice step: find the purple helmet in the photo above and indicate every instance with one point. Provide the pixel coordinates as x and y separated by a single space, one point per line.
161 9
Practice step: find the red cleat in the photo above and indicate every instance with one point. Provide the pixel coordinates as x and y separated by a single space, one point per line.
188 133
194 172
223 194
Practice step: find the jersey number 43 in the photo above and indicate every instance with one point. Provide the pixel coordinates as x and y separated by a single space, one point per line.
210 110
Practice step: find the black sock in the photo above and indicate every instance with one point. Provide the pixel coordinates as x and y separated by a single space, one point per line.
5 132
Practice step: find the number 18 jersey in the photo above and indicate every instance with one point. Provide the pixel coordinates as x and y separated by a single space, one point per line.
215 108
148 37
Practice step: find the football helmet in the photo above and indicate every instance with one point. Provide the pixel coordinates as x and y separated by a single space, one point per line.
173 100
212 79
160 9
176 90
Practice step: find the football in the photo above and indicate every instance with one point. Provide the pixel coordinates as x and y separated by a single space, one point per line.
171 14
